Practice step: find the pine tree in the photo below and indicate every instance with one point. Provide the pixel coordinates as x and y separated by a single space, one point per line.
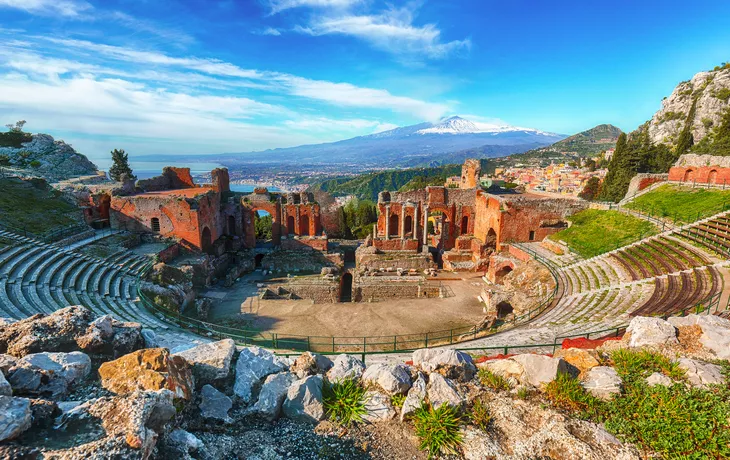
120 166
685 141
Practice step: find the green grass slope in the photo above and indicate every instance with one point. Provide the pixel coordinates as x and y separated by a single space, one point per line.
681 204
34 206
594 232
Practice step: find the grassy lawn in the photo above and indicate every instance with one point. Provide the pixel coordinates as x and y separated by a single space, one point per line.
682 204
594 232
34 206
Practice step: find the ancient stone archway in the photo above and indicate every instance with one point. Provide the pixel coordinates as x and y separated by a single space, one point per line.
465 225
290 230
408 225
712 177
688 175
346 288
231 226
206 242
155 224
304 225
491 240
504 309
393 224
501 273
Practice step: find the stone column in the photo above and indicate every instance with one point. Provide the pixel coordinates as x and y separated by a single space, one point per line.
387 222
402 221
415 221
296 222
425 225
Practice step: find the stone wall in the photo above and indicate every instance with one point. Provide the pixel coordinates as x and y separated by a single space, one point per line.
169 253
307 243
641 181
701 169
316 289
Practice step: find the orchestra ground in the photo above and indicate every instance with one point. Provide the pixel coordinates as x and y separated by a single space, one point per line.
399 316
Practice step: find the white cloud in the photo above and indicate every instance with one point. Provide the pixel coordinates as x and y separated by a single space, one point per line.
67 8
392 31
281 5
172 36
268 31
329 124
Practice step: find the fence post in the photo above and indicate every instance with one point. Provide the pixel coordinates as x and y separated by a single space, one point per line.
395 343
426 345
333 343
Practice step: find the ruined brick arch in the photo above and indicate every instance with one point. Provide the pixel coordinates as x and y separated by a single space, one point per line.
206 243
712 177
393 224
491 239
408 224
688 175
304 225
464 225
290 229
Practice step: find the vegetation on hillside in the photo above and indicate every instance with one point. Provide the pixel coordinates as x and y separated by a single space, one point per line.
681 204
589 142
717 142
34 206
15 137
673 422
356 219
120 166
263 224
594 232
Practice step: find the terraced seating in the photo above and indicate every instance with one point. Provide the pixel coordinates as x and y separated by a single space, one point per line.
36 277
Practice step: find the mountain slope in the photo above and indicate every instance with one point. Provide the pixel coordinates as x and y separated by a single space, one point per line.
589 142
421 144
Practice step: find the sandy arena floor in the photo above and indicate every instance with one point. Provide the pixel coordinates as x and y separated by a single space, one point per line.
352 319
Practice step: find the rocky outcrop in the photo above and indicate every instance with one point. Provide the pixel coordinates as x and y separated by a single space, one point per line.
345 367
646 331
214 404
701 374
450 363
304 400
49 158
70 329
48 373
15 417
253 365
210 362
715 332
150 369
272 395
709 90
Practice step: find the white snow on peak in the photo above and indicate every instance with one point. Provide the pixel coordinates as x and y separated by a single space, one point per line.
458 125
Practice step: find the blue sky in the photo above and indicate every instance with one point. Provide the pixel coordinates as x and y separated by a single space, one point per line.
210 76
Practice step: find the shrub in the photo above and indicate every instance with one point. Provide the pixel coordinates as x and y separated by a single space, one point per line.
344 401
397 401
722 94
566 392
35 164
633 365
491 380
480 415
438 429
524 393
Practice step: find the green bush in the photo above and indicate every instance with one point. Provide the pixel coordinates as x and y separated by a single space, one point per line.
397 401
633 365
480 414
722 94
344 401
566 392
491 380
438 429
35 164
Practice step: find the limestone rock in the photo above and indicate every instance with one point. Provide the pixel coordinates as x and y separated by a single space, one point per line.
40 333
451 363
184 441
5 388
15 417
583 360
272 395
602 382
509 369
304 400
132 424
310 364
659 379
443 391
214 404
149 369
49 373
378 407
127 338
150 338
392 378
6 362
254 364
345 367
715 332
540 370
700 374
43 412
210 361
650 332
56 159
414 399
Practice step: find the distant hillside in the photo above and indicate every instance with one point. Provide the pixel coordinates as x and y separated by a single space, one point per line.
589 142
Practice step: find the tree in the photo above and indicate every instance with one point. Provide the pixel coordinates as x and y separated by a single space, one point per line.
591 190
263 224
17 128
120 166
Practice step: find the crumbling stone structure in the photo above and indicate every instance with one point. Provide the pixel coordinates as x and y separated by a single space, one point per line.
701 169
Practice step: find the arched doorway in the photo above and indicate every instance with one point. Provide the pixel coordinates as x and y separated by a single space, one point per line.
408 225
304 225
465 225
155 224
346 288
258 259
501 273
491 239
393 225
231 226
290 225
504 309
205 240
712 177
688 175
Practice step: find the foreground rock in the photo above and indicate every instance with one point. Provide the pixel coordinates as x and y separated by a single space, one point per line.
414 399
304 400
345 367
210 362
272 395
149 369
453 364
540 370
715 332
49 374
253 365
602 382
15 417
214 404
131 425
701 374
392 378
70 329
645 331
442 391
5 388
378 407
583 360
310 364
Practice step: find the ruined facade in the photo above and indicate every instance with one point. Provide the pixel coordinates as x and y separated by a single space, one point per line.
701 169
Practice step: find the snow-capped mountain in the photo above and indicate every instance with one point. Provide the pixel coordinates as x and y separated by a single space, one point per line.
423 143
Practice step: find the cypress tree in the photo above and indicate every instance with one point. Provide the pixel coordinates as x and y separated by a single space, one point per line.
120 166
